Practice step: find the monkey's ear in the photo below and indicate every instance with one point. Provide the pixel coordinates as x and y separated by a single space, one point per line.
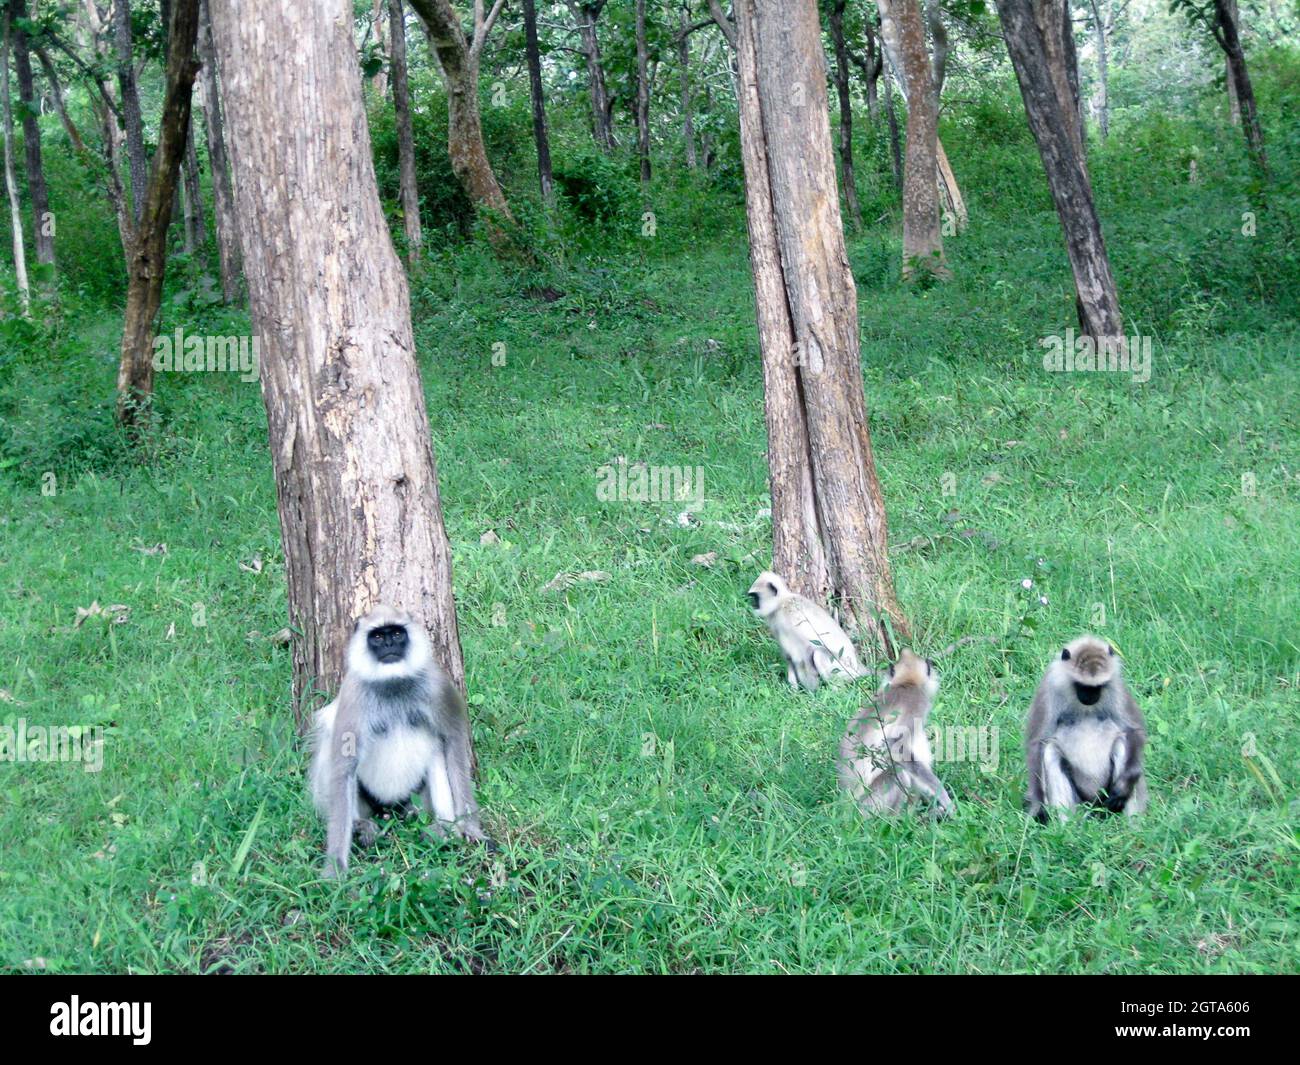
1065 655
929 667
1111 650
891 669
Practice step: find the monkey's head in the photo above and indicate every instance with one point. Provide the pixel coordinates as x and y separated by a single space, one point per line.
910 669
1087 664
766 593
388 644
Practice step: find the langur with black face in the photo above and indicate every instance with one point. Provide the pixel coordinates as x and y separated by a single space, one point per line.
812 643
1085 736
397 730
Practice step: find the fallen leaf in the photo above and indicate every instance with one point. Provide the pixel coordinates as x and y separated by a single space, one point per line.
489 537
706 560
157 549
254 565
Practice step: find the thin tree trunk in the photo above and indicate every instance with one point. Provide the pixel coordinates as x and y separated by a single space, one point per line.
42 230
684 64
147 251
196 230
56 94
405 135
356 484
847 181
642 96
223 197
1053 119
602 106
895 142
904 35
459 59
129 98
1225 30
377 15
828 517
1103 71
541 138
11 185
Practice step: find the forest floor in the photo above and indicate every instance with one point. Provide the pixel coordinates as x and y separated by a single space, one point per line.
663 801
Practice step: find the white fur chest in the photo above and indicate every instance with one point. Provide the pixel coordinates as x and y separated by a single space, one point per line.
1089 742
394 764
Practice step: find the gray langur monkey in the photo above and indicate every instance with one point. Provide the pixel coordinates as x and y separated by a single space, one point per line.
884 759
397 729
1085 736
814 646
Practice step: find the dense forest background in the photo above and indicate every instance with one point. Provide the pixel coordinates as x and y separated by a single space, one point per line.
663 801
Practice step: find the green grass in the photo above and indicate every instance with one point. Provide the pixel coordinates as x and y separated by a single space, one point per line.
662 800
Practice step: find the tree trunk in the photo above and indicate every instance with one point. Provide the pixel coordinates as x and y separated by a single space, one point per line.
1053 119
684 63
847 180
895 143
828 517
223 197
377 15
1225 29
541 138
460 61
602 107
196 230
871 69
410 191
11 185
147 251
904 36
642 97
129 98
42 231
1103 71
360 517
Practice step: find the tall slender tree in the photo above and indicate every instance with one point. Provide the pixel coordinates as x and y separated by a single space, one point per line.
828 515
400 81
642 95
848 183
223 196
541 136
42 230
1034 31
360 516
147 244
11 185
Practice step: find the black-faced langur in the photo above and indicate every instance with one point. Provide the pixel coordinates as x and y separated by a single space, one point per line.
397 730
812 643
1085 736
884 759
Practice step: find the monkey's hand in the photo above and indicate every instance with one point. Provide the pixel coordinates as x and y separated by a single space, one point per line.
333 869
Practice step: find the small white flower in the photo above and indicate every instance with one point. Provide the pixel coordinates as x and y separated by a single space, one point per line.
1043 599
1026 584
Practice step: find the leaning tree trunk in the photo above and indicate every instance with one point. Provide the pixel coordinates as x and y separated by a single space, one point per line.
1053 119
405 135
642 96
904 36
541 138
684 65
460 63
357 489
42 231
147 254
847 180
223 196
11 186
828 518
1229 39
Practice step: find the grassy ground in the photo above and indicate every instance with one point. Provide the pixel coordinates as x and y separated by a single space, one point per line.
663 801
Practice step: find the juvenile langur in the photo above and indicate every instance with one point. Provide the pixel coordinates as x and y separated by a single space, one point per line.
397 729
814 646
1085 735
885 760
